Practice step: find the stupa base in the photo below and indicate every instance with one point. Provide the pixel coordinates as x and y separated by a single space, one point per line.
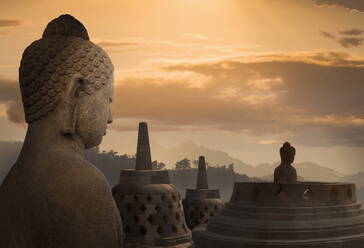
303 215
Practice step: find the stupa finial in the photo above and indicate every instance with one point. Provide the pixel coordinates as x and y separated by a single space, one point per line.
143 157
202 175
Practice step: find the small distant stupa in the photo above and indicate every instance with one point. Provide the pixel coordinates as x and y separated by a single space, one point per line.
149 205
201 203
286 214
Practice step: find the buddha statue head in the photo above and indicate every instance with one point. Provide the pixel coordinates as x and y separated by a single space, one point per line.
287 153
66 78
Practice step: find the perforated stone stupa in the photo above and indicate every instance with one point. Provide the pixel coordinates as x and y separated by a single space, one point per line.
149 205
201 203
291 215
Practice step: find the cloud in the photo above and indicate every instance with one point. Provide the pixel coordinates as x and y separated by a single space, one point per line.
195 36
349 42
356 5
309 98
327 35
351 32
350 39
108 44
312 98
10 98
9 23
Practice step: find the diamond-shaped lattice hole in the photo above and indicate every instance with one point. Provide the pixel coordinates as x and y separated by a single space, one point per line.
174 229
197 208
128 206
202 215
151 219
149 198
157 208
174 197
216 207
136 218
160 230
165 218
135 198
143 208
163 197
170 206
349 193
211 214
178 216
206 208
307 194
143 230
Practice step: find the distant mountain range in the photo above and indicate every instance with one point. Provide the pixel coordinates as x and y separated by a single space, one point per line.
306 170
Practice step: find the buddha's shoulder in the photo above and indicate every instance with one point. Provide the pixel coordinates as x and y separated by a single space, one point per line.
73 170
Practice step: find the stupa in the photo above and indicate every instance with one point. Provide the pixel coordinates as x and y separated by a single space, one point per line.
201 203
277 215
149 205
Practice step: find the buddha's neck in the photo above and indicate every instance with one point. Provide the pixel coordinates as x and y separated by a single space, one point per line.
44 136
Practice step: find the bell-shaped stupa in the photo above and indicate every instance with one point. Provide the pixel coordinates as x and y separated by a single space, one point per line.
201 203
149 205
286 214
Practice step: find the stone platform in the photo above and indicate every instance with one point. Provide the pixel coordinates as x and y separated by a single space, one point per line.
302 215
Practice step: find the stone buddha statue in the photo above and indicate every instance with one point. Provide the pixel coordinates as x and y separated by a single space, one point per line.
285 173
52 197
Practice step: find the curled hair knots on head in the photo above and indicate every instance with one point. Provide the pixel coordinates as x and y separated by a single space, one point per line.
49 63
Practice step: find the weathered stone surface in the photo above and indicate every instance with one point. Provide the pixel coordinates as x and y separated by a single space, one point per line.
150 207
265 215
201 203
285 172
202 174
143 158
52 197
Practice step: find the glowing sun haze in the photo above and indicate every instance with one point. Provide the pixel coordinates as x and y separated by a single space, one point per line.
233 75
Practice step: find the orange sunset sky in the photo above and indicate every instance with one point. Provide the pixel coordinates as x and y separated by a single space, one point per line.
240 76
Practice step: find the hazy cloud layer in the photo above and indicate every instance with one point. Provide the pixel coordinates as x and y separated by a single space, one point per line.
108 44
6 24
308 98
327 35
347 38
349 42
349 4
9 23
10 97
351 32
312 98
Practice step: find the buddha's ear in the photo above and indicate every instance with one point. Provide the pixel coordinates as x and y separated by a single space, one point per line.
69 105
